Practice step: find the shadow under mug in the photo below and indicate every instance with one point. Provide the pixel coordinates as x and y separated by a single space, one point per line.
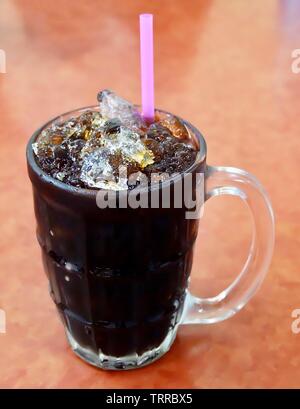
119 276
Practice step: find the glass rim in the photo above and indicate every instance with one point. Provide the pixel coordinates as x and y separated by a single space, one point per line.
31 159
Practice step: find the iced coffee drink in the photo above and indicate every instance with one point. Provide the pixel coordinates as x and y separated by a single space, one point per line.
118 275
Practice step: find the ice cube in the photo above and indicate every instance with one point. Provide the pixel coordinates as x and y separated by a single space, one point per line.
175 126
129 144
111 126
97 172
112 106
35 148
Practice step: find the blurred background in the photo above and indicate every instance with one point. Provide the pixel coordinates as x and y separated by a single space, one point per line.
224 65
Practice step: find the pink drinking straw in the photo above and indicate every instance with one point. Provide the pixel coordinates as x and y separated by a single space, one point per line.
147 75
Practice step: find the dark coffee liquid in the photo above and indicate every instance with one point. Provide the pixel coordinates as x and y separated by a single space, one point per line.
125 287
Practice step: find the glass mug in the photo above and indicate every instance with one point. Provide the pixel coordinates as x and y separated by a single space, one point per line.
119 276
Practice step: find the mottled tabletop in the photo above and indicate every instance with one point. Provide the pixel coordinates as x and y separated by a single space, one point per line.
226 66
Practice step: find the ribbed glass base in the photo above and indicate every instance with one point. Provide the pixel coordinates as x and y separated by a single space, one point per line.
125 362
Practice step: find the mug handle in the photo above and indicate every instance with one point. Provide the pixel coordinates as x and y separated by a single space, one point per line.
236 182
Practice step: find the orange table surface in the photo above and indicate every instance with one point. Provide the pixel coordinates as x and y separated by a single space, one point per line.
225 65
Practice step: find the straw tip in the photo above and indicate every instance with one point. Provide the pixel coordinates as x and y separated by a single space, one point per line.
146 16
